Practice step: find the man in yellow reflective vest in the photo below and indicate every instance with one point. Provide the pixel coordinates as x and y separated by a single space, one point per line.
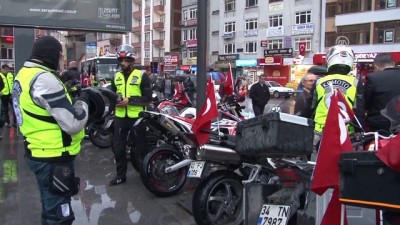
53 128
6 102
340 61
134 89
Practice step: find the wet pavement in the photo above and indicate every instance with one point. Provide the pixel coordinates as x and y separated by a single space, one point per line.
96 203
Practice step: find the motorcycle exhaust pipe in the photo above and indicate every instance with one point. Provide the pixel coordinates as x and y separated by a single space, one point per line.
179 165
218 154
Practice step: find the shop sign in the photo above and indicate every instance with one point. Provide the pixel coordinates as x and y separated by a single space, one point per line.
364 57
228 57
342 40
193 68
303 29
264 43
185 67
275 6
270 61
278 52
246 62
172 59
250 33
191 43
275 31
224 64
170 67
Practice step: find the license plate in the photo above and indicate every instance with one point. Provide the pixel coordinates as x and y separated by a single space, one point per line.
138 121
274 215
195 169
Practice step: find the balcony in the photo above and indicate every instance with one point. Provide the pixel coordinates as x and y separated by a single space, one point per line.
136 29
159 9
137 14
158 43
136 44
146 27
158 26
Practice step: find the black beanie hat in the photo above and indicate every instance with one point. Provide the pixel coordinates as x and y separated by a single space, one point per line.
47 49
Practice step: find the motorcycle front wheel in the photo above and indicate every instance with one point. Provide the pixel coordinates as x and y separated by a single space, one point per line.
100 137
217 200
153 174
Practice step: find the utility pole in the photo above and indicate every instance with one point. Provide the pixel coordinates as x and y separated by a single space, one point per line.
201 52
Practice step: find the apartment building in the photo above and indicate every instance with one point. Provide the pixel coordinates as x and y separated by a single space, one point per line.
263 37
188 43
156 33
368 26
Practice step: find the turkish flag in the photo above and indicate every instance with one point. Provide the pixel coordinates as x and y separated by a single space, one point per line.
302 48
335 140
228 86
208 112
389 152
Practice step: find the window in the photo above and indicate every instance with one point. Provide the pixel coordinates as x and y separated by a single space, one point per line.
147 53
303 17
275 44
352 6
387 4
147 36
330 9
192 53
162 52
7 31
275 21
147 20
251 3
271 1
162 18
387 32
230 27
357 34
6 53
162 35
229 48
189 14
230 5
307 40
147 3
251 24
251 47
189 34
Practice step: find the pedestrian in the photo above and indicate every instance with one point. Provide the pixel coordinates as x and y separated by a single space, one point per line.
6 100
72 73
167 87
52 128
134 88
259 94
189 88
240 81
307 82
380 87
340 61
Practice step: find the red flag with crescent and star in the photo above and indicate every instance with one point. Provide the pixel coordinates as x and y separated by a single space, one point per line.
302 48
208 112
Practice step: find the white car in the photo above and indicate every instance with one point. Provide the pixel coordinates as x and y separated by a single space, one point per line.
276 90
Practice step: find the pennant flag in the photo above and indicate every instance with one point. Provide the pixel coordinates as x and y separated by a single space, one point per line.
335 140
208 112
228 86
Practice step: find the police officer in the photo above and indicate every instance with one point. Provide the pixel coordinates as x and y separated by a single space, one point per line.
340 61
8 79
52 128
134 88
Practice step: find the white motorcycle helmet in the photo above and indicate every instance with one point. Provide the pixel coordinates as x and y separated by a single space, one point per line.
126 51
340 58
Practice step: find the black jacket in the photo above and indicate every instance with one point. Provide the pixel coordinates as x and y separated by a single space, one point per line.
259 94
380 87
71 74
1 84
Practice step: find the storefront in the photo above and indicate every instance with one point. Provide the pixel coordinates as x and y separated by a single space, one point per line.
250 68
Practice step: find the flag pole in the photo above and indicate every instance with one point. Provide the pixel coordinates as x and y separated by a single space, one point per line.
212 80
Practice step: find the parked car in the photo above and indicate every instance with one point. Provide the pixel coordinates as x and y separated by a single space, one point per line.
276 90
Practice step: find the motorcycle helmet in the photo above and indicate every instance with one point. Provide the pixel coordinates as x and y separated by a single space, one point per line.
340 58
102 102
126 51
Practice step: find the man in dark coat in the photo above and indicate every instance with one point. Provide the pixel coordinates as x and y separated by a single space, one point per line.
72 73
380 87
259 94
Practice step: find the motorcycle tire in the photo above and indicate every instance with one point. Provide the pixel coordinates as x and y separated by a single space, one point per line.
153 173
218 199
100 138
136 157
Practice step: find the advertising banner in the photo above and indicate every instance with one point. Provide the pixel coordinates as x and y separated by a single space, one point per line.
98 15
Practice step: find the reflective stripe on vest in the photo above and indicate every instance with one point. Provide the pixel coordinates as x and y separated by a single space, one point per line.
8 83
129 88
44 136
345 83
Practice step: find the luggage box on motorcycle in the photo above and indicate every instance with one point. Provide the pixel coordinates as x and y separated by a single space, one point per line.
275 134
367 182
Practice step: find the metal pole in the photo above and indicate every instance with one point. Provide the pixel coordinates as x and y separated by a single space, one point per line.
201 52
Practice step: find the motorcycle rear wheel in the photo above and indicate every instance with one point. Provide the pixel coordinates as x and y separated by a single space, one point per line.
153 174
100 138
136 157
217 200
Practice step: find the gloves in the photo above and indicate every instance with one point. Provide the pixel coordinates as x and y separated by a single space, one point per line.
83 97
